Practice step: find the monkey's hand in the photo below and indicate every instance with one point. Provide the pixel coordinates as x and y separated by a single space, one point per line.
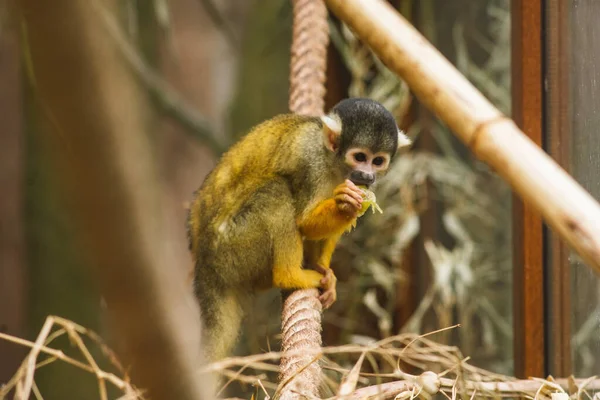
349 198
332 216
328 283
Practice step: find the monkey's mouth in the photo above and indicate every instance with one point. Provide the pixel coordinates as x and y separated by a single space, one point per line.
362 185
361 179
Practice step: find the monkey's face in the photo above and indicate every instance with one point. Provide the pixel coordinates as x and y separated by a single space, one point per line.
364 137
366 166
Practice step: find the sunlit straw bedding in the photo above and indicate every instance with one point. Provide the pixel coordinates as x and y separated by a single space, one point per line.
355 371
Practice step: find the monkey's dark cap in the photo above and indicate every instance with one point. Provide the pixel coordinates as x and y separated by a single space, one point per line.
366 123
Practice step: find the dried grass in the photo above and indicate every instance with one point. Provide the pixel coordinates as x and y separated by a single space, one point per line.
379 369
42 355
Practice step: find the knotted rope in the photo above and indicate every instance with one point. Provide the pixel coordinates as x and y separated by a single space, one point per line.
300 373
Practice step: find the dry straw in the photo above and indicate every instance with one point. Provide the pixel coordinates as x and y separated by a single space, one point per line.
378 370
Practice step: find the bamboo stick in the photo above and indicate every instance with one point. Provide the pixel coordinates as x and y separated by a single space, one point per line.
493 137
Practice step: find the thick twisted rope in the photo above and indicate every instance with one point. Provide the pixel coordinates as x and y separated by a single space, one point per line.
300 372
309 57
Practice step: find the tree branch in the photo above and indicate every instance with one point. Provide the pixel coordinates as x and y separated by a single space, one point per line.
221 23
167 97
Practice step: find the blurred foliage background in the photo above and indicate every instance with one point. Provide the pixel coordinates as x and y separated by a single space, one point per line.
439 255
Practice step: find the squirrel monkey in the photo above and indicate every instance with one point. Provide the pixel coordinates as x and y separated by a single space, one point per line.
278 201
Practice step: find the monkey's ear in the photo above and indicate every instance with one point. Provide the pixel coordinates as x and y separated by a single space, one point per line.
332 129
403 140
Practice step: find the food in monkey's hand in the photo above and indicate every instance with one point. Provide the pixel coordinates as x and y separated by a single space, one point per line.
369 201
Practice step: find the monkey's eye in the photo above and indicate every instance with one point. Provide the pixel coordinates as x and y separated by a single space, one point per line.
360 157
378 161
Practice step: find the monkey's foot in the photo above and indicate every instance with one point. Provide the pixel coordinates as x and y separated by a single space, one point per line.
328 284
296 278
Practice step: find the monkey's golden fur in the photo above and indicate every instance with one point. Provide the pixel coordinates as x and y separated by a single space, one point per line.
265 207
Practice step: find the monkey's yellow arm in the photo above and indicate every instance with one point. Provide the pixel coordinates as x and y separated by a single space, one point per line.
327 221
324 221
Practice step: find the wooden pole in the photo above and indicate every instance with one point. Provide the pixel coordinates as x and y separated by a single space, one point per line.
495 139
527 225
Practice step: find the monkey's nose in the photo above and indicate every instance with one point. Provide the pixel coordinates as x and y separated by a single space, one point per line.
362 178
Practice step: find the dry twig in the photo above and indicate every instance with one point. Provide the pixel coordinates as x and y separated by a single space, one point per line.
167 97
454 377
23 380
443 370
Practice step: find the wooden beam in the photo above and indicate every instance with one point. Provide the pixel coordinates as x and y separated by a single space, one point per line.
528 249
558 144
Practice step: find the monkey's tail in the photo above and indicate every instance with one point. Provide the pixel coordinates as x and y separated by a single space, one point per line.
222 315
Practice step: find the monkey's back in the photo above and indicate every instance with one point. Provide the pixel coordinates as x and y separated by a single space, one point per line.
242 201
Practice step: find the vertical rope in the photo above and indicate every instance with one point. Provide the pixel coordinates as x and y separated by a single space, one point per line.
299 374
309 57
301 334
